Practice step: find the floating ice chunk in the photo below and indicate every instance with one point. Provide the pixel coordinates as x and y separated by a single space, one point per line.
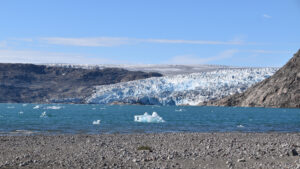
43 115
146 118
96 122
21 112
36 107
22 132
180 110
24 105
240 126
11 107
54 107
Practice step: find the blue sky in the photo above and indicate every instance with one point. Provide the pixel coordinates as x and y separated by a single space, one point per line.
232 32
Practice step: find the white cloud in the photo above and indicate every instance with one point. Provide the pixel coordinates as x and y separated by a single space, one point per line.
116 41
20 56
266 16
191 59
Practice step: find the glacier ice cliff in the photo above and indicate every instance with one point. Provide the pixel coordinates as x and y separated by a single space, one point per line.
184 89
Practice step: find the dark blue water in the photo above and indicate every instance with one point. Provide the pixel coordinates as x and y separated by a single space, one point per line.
75 119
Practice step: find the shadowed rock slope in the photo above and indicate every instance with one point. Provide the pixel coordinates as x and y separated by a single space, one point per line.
45 84
280 90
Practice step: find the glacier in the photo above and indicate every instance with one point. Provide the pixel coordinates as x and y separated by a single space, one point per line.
182 89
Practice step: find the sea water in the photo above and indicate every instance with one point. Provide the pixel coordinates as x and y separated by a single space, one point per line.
24 119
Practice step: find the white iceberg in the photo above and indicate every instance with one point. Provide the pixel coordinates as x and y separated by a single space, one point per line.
96 122
43 115
36 107
146 118
54 107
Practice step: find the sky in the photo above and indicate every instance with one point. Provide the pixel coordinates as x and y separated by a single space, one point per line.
255 33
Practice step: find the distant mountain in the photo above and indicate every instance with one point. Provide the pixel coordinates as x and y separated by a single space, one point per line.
45 84
280 90
165 69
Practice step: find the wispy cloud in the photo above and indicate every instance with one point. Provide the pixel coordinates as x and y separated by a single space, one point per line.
22 39
117 41
28 56
3 44
91 42
191 59
198 42
266 16
269 51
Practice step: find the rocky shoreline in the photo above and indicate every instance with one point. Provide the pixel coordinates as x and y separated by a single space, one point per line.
167 150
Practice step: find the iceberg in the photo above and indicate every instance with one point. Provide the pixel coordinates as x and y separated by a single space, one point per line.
36 107
54 107
96 122
43 115
146 118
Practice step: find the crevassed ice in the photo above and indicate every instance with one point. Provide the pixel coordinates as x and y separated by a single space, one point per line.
146 118
190 89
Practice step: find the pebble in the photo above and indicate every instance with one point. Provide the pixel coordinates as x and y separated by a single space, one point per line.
172 150
241 160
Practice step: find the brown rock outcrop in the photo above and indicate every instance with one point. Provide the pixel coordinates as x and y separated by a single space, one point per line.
280 90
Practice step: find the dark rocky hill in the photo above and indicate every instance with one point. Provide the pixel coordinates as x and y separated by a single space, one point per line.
280 90
20 83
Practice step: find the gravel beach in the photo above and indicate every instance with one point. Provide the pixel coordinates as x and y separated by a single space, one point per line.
168 150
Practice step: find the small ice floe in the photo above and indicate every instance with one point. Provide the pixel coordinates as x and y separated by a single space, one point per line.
179 110
146 118
36 107
102 108
10 107
24 105
53 107
43 115
21 112
22 132
240 126
96 122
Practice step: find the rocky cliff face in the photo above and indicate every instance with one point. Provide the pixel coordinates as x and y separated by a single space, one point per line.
44 84
280 90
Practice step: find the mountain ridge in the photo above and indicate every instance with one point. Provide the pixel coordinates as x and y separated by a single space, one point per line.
30 83
282 90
